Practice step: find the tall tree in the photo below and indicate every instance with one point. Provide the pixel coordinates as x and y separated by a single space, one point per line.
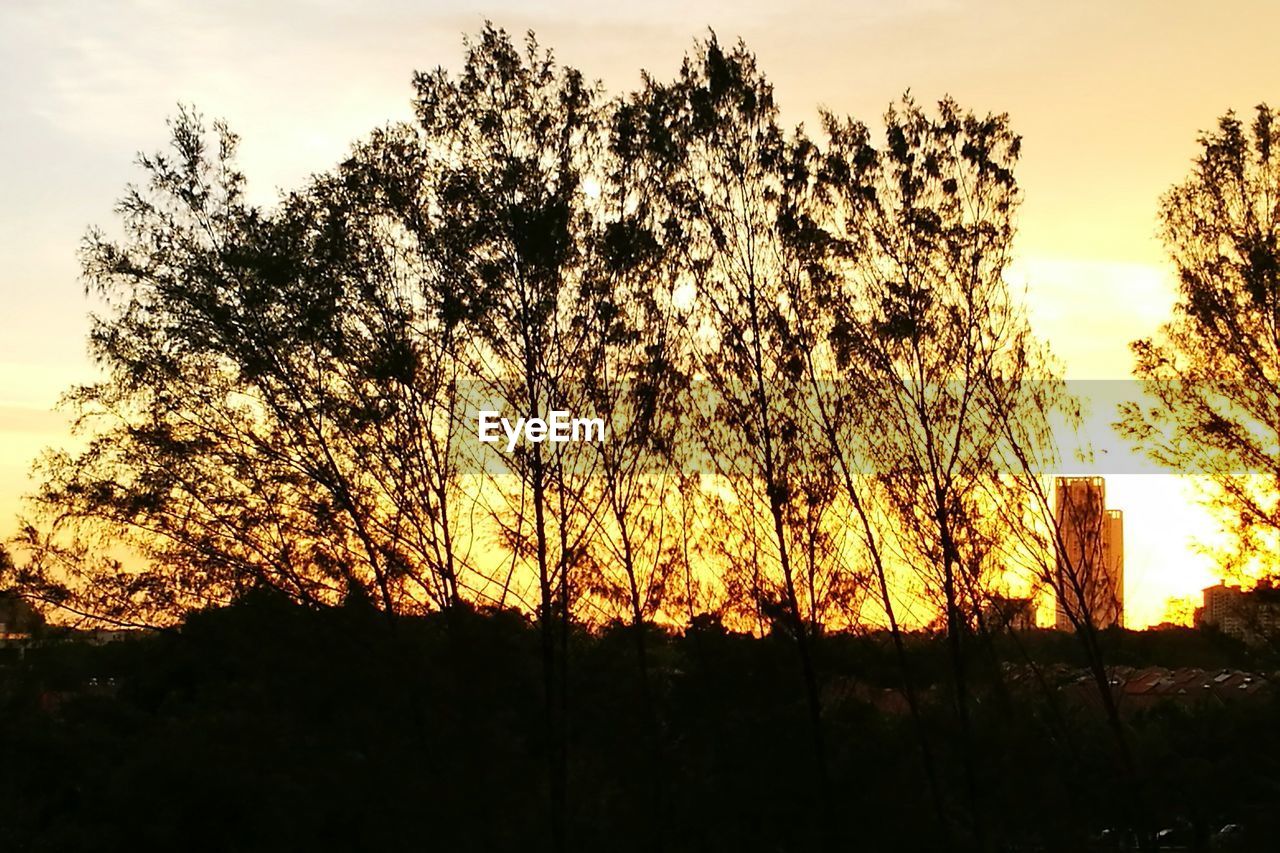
922 321
728 190
511 143
272 411
1212 373
636 325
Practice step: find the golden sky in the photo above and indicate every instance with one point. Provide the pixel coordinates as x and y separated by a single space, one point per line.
1108 96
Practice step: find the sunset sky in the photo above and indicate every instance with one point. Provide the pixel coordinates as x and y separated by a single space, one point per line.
1108 97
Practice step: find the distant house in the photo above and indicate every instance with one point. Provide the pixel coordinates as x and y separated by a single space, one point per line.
1249 615
102 636
1151 686
1133 689
18 619
1139 689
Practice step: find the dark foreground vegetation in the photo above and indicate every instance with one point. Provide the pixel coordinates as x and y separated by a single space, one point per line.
270 726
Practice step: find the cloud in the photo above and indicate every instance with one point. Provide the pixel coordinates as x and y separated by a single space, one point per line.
27 420
1089 310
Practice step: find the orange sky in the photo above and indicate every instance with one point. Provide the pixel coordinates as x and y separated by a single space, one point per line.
1108 97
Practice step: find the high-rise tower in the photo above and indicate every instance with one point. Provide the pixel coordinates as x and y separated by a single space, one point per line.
1090 554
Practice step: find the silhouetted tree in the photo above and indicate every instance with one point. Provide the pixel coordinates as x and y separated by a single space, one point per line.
923 321
1213 371
275 406
512 142
770 488
633 328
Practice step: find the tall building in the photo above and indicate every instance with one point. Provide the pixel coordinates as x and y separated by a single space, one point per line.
1223 606
1090 554
1251 615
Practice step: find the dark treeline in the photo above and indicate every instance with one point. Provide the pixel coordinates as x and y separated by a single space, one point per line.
272 726
827 419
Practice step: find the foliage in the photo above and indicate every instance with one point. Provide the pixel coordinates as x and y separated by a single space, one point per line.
1213 371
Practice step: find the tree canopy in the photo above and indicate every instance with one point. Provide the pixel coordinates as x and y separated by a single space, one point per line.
1213 371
